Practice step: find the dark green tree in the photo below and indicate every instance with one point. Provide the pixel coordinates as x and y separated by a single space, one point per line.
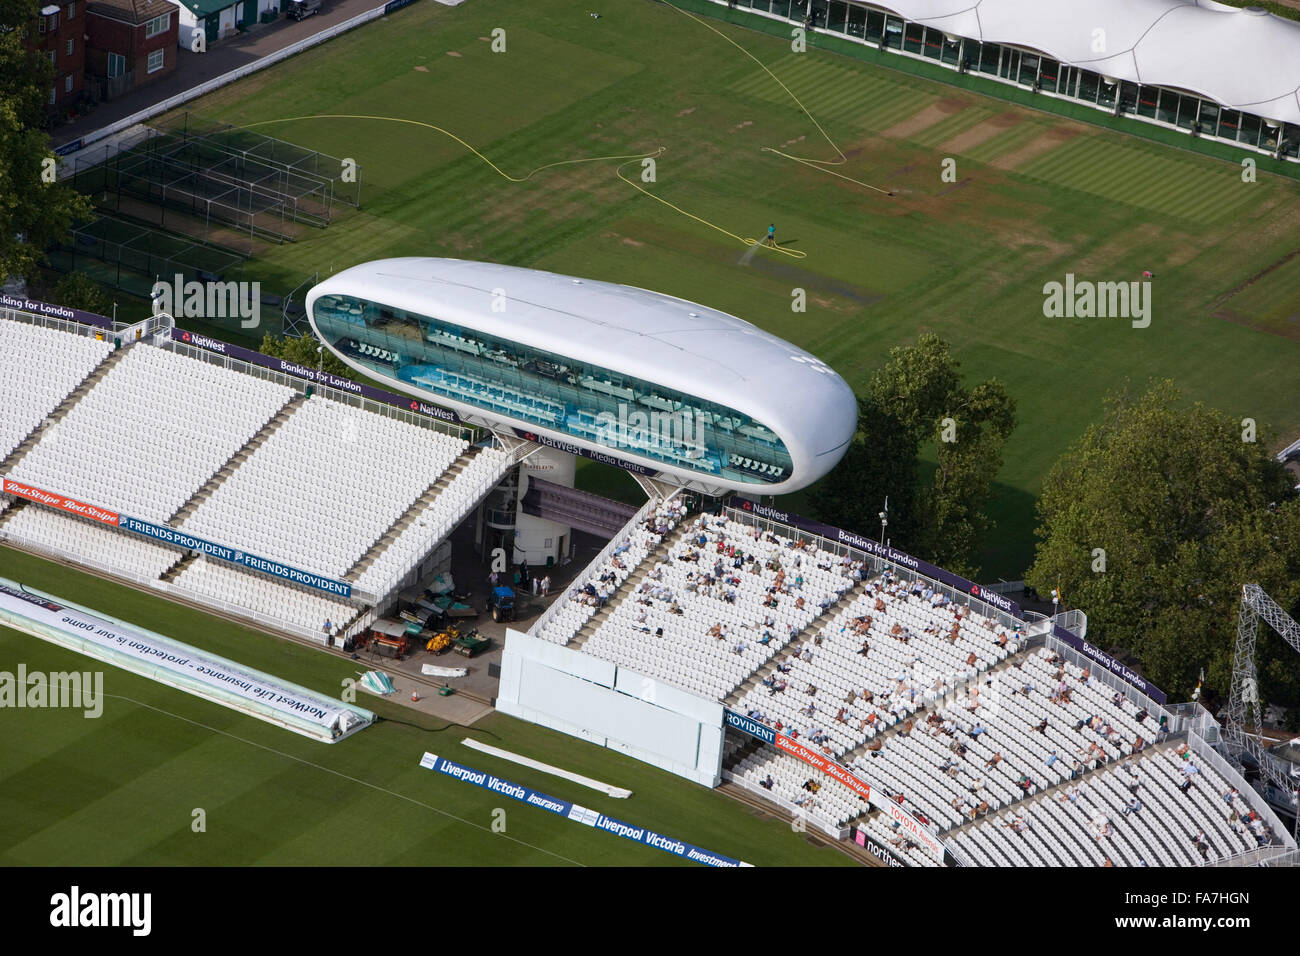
76 290
302 349
902 409
35 209
1153 521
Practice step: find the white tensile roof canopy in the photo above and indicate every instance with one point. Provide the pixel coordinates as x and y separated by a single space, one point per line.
1245 59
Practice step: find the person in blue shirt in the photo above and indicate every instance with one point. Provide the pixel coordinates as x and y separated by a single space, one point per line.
771 234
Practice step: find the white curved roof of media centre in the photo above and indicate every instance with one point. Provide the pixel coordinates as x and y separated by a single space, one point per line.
659 338
1242 58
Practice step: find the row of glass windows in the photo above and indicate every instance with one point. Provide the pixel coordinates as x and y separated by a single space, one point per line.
552 391
1030 69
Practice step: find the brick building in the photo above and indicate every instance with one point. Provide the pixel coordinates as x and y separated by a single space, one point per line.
59 35
130 43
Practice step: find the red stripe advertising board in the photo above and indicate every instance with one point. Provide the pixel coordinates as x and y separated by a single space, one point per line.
59 502
828 767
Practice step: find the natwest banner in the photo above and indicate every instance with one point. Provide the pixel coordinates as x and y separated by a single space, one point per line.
60 502
875 549
241 354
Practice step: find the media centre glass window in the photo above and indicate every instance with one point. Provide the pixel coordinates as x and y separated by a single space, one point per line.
542 388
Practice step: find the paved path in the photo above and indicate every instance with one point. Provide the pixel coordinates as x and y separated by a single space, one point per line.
222 57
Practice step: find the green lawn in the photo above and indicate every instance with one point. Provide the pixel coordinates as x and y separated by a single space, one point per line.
121 789
1038 196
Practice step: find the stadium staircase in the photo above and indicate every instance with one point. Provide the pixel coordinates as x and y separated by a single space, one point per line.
921 712
62 409
751 746
9 512
235 460
380 544
629 586
172 573
808 633
1051 793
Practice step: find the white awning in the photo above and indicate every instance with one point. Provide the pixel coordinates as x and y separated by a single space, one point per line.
1245 59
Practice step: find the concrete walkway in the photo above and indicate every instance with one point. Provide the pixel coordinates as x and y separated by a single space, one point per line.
222 57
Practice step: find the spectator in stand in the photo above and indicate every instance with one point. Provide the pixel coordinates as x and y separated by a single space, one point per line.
767 783
1052 758
1134 806
994 760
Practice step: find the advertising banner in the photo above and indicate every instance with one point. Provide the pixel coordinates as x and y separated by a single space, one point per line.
877 849
911 827
23 304
59 502
818 762
312 375
750 726
168 535
577 814
781 742
875 549
179 665
603 458
1108 662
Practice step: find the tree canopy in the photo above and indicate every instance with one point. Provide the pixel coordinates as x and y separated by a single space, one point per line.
1153 521
34 212
916 398
302 350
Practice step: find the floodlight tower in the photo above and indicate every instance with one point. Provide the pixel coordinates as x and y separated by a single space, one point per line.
1243 703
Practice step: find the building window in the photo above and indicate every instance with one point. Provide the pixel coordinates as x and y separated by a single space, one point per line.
116 65
156 26
521 382
68 47
72 10
52 23
52 94
51 54
67 83
157 59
